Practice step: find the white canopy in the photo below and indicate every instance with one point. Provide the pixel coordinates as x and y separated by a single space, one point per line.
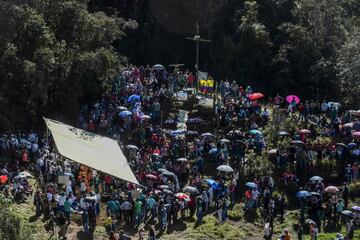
90 149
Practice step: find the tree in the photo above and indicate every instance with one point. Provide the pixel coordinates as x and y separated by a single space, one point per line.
54 54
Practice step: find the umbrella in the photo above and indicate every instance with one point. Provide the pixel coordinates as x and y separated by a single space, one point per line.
297 142
191 189
69 174
255 132
303 194
25 174
282 133
224 168
351 145
125 113
181 159
251 185
213 151
331 189
242 143
256 95
158 67
177 132
132 147
163 187
192 133
349 125
121 108
291 97
316 178
145 117
211 183
133 98
224 140
167 173
356 208
348 213
151 176
310 221
305 131
315 194
182 196
207 135
356 134
167 191
162 170
273 151
126 73
341 145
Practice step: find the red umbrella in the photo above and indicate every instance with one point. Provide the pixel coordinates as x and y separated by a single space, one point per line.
182 196
151 176
306 131
255 96
293 97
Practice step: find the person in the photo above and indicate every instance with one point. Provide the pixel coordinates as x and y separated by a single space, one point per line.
38 203
345 194
313 231
85 222
112 236
62 226
287 235
267 231
123 236
67 209
349 230
199 209
152 235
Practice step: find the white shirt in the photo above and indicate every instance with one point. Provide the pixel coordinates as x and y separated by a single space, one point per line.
62 200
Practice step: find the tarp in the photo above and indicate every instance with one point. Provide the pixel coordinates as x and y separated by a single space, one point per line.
95 151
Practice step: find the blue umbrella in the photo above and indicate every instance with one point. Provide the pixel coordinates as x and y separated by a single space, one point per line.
133 98
351 145
213 151
212 183
125 113
255 132
251 185
177 132
303 194
316 178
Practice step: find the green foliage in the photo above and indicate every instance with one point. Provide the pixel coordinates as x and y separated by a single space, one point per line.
54 54
354 189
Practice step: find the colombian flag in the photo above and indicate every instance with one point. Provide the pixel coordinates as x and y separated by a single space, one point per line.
206 83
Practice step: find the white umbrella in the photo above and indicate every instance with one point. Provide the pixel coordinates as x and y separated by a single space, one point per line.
224 168
224 140
132 147
25 174
190 189
181 160
207 135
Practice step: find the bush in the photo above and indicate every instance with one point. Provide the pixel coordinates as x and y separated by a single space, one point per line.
354 189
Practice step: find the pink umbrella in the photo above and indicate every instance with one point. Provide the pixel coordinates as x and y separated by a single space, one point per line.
291 97
151 176
305 131
356 134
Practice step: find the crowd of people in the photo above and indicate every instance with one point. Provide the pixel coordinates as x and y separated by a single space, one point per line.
184 173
